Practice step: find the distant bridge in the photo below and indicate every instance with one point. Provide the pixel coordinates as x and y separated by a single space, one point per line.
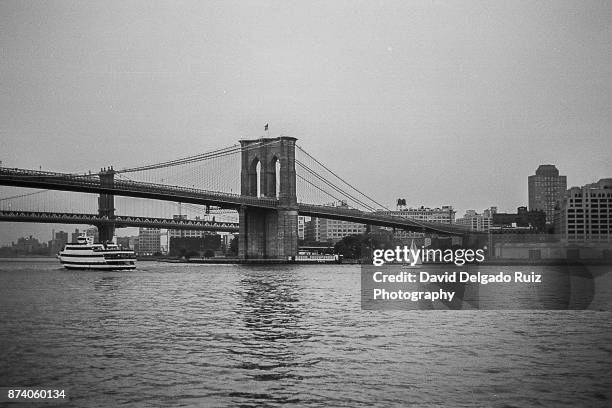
119 221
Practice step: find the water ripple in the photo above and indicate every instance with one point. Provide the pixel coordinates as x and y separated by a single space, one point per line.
210 335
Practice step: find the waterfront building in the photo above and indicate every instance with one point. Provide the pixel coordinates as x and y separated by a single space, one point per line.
226 240
546 189
311 230
127 242
332 231
534 220
442 215
324 230
185 233
585 213
477 222
30 245
149 241
301 226
133 243
205 246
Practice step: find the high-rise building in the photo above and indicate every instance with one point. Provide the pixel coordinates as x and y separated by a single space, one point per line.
60 239
585 213
546 189
149 241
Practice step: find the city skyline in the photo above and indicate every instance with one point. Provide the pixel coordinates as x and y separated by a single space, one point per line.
454 103
10 235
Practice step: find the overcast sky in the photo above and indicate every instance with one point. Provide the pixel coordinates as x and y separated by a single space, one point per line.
438 102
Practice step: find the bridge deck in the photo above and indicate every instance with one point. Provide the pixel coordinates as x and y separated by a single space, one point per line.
118 220
91 184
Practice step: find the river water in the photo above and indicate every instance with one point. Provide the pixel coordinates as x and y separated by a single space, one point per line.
225 335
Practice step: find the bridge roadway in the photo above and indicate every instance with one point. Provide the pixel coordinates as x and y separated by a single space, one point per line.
118 220
91 184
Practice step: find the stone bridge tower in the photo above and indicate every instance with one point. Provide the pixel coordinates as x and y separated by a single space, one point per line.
264 233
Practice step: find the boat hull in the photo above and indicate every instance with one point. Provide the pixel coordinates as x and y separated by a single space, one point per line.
98 267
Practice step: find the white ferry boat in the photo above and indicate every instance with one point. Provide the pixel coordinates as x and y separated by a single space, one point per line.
303 257
316 254
87 255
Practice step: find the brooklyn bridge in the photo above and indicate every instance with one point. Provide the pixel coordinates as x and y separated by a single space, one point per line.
256 188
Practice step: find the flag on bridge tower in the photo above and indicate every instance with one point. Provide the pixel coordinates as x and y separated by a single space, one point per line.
266 127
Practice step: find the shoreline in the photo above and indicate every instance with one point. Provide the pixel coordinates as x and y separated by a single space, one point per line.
237 261
541 262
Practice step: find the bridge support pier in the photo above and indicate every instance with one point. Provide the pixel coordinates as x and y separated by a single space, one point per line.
106 205
106 232
269 233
